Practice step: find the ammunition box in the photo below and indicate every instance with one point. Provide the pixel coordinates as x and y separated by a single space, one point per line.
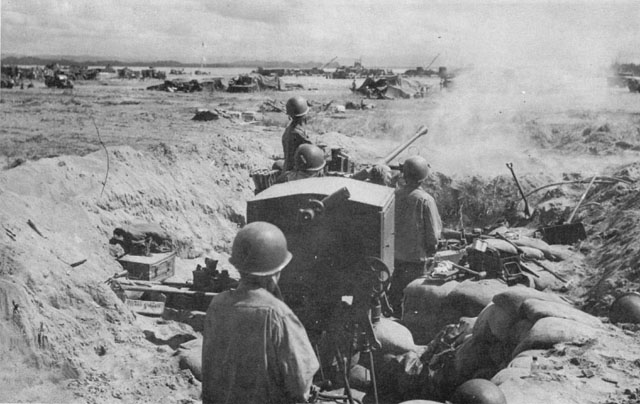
155 267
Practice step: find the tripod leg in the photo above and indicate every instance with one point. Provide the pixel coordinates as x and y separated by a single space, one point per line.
342 363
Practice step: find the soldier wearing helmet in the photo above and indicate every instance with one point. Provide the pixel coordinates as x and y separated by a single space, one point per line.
378 174
295 134
255 349
417 229
308 162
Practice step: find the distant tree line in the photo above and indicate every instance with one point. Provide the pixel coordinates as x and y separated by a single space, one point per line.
40 61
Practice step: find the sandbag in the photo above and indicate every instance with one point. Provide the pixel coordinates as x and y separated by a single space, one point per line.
525 358
502 246
520 329
509 373
549 331
560 252
191 359
470 357
481 329
535 309
425 312
544 280
512 299
471 297
501 323
422 296
500 353
549 253
394 337
532 253
494 323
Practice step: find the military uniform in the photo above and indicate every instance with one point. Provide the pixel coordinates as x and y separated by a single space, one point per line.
294 135
255 350
417 230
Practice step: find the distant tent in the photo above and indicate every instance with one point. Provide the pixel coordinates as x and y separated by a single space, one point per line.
177 85
391 88
401 87
214 84
248 83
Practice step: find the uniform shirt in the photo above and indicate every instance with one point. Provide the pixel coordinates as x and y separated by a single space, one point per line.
255 350
289 176
417 224
294 135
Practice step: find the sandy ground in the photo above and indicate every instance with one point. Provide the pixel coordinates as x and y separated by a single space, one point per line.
68 338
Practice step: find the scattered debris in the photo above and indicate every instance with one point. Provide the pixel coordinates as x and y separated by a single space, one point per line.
10 233
177 85
205 115
78 263
33 226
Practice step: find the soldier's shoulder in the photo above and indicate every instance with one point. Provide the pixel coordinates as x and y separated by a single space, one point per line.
420 193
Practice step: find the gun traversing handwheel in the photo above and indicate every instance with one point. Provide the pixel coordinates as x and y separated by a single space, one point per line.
383 275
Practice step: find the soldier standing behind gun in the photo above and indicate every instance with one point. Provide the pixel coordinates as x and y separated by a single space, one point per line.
417 229
295 134
255 349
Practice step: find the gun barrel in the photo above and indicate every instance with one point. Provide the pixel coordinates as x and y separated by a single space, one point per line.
421 132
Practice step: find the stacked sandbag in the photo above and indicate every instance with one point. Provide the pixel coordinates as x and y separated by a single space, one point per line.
424 309
532 244
396 361
190 357
518 320
429 306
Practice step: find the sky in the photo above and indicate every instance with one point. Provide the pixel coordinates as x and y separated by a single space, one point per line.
383 33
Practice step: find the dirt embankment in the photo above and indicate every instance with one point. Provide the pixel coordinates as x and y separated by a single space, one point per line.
65 335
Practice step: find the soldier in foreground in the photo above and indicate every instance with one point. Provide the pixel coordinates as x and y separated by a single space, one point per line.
308 161
417 229
255 349
295 134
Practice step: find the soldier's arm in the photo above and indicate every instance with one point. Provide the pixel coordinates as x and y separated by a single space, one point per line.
296 358
300 136
432 224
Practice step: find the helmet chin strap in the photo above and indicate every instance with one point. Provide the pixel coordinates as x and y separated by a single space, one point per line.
274 288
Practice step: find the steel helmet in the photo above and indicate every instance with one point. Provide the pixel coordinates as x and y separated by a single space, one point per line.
416 169
626 309
478 391
297 106
260 249
309 158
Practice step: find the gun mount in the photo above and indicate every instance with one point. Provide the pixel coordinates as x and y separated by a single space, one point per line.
329 250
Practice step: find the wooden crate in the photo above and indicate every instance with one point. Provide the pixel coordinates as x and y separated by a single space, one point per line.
145 307
155 267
